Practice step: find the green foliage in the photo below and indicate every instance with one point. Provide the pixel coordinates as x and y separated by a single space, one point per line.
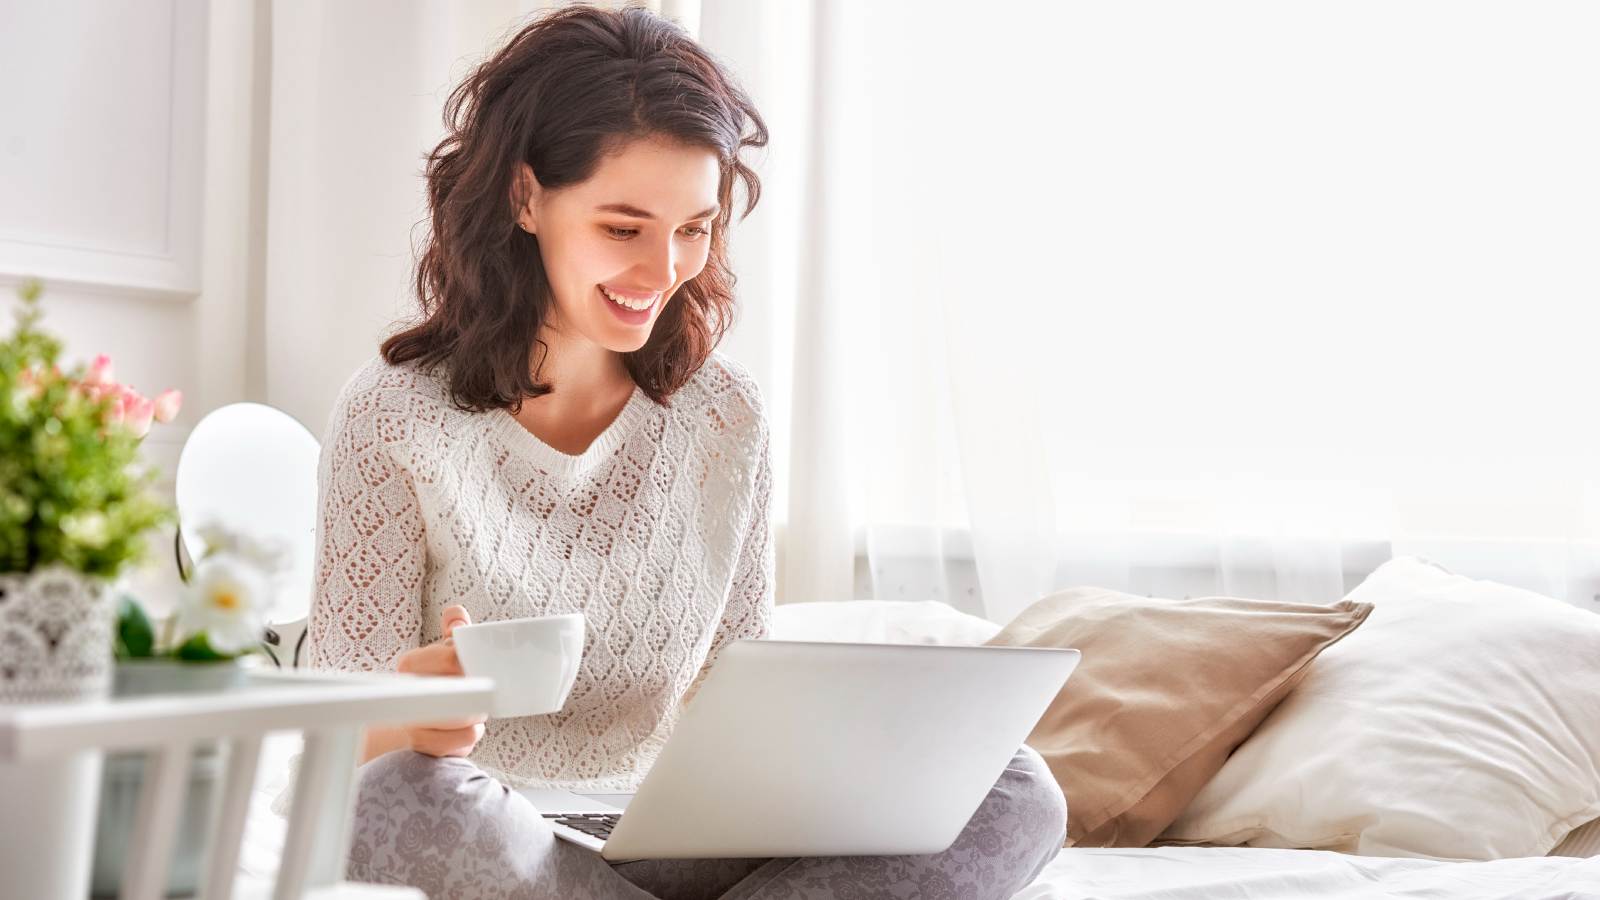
198 649
136 637
72 490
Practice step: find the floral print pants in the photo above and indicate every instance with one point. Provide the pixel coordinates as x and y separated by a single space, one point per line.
442 825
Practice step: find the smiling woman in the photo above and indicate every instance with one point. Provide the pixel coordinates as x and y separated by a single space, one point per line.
559 436
625 185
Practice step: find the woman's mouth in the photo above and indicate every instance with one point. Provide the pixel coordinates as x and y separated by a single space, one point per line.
629 310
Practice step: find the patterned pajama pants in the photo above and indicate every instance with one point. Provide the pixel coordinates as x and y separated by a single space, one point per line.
444 826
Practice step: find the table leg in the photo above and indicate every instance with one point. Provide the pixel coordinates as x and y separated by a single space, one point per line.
166 778
222 859
318 839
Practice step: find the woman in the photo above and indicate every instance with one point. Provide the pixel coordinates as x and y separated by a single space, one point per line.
559 435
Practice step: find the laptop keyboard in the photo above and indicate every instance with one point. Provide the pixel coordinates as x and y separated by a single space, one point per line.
595 825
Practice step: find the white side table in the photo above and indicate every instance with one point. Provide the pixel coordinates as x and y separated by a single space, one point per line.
330 708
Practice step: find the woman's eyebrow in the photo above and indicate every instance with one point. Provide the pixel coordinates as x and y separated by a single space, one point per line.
630 210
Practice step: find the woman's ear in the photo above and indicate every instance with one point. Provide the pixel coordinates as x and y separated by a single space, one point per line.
525 194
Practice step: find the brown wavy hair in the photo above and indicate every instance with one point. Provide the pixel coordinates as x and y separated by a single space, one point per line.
570 87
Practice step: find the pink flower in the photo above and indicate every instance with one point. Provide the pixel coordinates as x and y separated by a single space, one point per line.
123 404
122 398
100 372
137 412
167 403
126 407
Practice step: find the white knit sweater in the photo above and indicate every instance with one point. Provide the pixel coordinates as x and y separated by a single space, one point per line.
657 533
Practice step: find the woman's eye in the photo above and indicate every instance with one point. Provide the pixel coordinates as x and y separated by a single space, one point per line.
695 232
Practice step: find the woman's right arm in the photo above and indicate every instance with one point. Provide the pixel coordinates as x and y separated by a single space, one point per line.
366 609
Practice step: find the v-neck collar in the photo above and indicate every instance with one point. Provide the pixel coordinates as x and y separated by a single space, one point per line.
557 462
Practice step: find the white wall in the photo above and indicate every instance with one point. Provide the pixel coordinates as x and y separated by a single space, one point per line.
101 183
128 181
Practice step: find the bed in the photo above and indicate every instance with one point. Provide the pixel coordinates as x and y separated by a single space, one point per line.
1180 873
1259 873
1165 870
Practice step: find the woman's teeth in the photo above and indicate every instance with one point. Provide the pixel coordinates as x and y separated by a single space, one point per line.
636 305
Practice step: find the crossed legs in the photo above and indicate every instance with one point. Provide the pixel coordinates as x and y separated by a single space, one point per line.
444 826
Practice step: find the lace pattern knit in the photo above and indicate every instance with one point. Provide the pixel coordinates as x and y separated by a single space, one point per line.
657 533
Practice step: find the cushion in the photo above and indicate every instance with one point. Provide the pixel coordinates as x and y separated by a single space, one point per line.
1165 690
879 622
1462 721
1582 842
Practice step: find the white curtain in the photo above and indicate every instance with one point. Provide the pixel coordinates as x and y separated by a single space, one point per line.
1177 298
1238 297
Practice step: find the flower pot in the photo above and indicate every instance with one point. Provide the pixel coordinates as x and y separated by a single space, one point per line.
55 636
124 776
55 647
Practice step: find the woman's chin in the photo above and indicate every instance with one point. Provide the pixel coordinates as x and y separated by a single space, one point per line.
628 342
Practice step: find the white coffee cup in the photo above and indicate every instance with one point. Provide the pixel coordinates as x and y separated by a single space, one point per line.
533 661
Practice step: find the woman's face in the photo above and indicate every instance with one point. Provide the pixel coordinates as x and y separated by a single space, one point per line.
639 227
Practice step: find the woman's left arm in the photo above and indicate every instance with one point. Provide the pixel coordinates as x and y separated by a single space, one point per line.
748 611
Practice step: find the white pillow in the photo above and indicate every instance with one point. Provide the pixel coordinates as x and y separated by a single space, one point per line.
879 622
1460 721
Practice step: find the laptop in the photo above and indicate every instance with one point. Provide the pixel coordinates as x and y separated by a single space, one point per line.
808 748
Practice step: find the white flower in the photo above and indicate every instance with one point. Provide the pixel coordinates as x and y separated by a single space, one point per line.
214 538
269 555
227 601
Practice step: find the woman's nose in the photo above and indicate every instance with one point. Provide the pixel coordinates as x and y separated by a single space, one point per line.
660 265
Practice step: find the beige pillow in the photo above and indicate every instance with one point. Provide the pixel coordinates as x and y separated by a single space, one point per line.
1166 690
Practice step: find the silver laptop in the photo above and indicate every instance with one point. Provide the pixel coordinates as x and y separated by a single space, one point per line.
803 748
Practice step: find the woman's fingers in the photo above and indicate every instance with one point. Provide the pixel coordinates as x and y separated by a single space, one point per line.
453 616
454 724
446 741
449 663
435 659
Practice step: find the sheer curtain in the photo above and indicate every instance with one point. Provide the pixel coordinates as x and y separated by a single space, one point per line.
1236 298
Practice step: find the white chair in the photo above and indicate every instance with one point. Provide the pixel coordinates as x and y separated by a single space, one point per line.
252 467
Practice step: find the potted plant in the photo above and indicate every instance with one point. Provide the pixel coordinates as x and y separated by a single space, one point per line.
75 509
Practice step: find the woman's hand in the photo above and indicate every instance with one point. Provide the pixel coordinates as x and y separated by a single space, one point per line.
455 737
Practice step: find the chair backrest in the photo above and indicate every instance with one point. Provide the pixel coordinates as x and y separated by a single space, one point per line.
253 468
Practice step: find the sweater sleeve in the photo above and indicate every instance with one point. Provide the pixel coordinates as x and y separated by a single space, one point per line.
366 606
748 612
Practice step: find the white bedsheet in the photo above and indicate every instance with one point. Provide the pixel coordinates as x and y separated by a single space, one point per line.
1249 873
1150 873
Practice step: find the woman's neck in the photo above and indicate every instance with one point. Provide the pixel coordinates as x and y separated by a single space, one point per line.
591 388
587 377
